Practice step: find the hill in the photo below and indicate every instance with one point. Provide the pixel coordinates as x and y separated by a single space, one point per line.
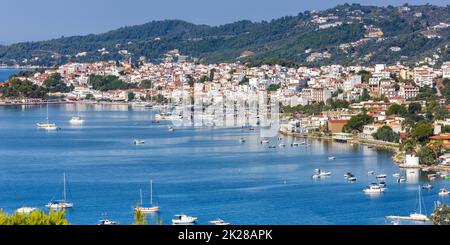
346 34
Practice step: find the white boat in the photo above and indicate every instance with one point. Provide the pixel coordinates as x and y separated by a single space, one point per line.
282 145
167 116
382 184
444 192
171 129
371 172
147 208
417 215
353 178
60 204
242 140
373 189
396 175
182 219
427 187
76 121
264 141
138 142
401 180
319 173
26 210
331 158
218 221
107 222
47 125
381 176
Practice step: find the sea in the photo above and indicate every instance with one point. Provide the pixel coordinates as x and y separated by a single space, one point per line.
5 73
204 172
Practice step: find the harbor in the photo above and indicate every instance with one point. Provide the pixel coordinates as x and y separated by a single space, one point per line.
203 172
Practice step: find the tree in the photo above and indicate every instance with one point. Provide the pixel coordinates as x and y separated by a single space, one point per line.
131 96
397 110
357 122
37 217
427 156
386 133
244 80
422 131
414 108
273 87
90 97
146 84
441 215
55 84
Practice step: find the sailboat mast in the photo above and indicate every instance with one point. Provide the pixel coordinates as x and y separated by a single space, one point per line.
140 193
151 192
47 112
64 186
420 201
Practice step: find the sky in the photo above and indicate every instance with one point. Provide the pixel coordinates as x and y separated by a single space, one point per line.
31 20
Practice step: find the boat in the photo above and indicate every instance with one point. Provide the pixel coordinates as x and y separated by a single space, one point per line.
76 121
26 210
382 184
319 174
381 176
218 221
60 204
282 145
138 142
171 129
242 140
264 141
395 222
167 116
107 222
396 175
331 158
182 219
47 125
417 215
147 208
427 187
272 147
374 189
251 129
401 180
353 178
371 172
444 192
348 174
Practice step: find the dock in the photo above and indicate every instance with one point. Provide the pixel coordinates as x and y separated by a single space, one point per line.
407 218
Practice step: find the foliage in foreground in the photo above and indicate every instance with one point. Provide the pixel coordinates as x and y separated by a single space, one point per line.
441 215
37 217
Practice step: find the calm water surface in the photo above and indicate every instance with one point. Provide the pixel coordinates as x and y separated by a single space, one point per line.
201 172
5 73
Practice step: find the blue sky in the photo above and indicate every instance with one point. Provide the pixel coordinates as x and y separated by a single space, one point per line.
30 20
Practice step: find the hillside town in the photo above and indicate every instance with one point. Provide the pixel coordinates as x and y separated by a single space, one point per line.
395 106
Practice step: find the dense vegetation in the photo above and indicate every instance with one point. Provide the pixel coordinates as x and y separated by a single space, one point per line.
356 123
16 88
385 133
282 41
37 217
109 82
441 216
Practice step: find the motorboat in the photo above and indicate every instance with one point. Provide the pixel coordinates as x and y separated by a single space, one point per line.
401 180
26 210
348 174
396 175
444 192
147 208
60 204
138 142
47 126
264 141
371 172
320 173
107 222
218 221
381 176
272 147
171 129
382 184
76 121
182 219
282 145
353 178
427 187
374 189
242 140
331 158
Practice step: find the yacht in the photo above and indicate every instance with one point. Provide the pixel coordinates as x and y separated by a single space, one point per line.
147 208
25 210
417 215
107 222
319 173
47 125
444 192
371 172
427 187
331 158
171 129
381 176
138 142
182 219
264 141
76 121
60 204
218 221
374 189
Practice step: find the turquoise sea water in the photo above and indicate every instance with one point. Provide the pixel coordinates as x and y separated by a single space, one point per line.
201 172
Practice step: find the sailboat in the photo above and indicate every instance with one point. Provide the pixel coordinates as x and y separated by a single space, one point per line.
47 125
60 204
417 215
76 120
147 208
